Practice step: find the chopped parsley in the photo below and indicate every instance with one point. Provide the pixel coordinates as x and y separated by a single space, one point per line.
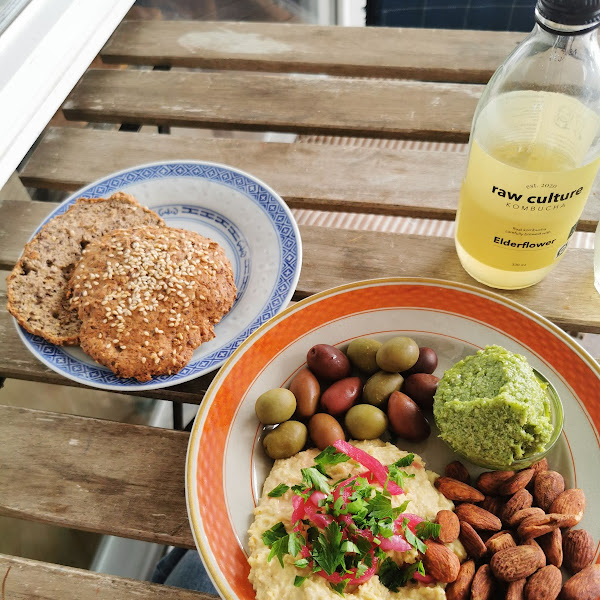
405 461
278 491
315 477
427 529
338 587
298 581
394 577
327 549
412 539
276 532
331 456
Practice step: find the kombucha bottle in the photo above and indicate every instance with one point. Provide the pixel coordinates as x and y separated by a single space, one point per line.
534 150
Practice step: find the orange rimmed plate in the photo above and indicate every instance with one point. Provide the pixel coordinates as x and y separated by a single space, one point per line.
226 466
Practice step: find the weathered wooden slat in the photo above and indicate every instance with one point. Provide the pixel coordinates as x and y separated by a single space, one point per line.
427 54
371 180
100 476
292 103
411 183
25 579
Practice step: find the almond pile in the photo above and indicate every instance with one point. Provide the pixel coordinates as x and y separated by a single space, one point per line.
516 529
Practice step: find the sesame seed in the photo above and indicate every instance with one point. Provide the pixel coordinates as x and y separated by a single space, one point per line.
123 347
143 359
108 345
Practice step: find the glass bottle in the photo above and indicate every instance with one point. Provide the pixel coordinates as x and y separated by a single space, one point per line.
534 150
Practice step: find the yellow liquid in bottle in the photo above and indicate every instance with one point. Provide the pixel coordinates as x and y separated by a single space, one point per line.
547 180
526 184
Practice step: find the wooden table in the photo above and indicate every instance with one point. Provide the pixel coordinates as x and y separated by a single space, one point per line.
128 480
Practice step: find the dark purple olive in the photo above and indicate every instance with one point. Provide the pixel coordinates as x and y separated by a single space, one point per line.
421 387
328 362
426 363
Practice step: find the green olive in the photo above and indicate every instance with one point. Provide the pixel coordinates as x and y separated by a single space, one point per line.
379 387
275 406
286 440
362 352
398 354
366 422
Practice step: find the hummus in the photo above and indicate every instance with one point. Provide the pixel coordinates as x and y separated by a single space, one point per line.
272 582
491 408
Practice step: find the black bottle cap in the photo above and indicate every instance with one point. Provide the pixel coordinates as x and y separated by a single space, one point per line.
570 12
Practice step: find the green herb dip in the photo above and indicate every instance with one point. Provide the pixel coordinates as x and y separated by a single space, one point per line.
491 408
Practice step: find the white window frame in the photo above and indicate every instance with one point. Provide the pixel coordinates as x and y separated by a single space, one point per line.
43 53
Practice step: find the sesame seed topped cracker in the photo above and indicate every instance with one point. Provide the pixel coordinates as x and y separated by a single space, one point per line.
162 289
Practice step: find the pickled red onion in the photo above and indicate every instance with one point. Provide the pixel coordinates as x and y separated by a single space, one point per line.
395 542
379 470
424 578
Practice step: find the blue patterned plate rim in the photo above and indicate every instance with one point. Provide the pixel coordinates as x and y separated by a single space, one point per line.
259 193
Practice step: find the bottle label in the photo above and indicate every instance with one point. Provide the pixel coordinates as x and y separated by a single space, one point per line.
515 219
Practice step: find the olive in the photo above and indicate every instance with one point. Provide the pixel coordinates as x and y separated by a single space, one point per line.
285 440
307 391
275 406
341 395
362 352
421 388
397 354
406 418
379 387
366 422
328 362
324 430
426 363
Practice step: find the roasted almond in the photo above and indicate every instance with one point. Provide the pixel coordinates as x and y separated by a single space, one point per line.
483 584
458 491
551 544
583 586
538 467
522 499
541 555
515 563
460 589
440 562
515 590
522 514
578 549
456 470
472 541
479 518
449 526
517 482
493 504
545 584
547 486
537 525
499 541
570 502
489 481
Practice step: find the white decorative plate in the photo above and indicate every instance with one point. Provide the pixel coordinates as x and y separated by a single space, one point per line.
226 465
246 217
